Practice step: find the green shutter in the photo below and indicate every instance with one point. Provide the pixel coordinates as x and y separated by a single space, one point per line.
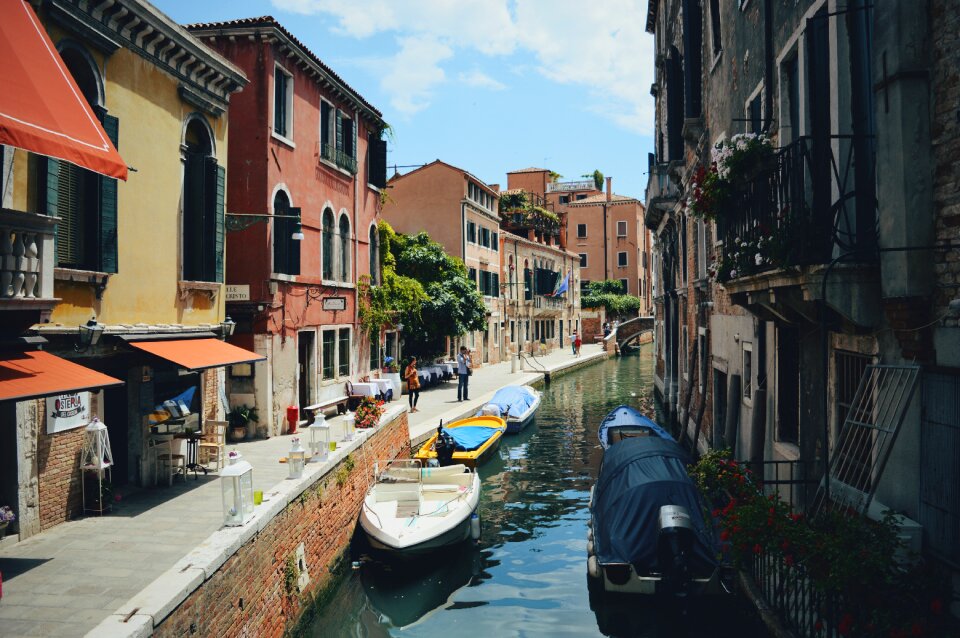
339 131
49 169
293 250
218 232
353 149
108 206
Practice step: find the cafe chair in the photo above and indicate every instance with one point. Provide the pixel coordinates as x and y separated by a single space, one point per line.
165 461
212 447
353 399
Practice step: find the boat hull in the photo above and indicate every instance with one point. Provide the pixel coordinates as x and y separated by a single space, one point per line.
453 536
470 458
518 423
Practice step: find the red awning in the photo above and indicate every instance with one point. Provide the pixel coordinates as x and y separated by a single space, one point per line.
25 375
41 108
198 354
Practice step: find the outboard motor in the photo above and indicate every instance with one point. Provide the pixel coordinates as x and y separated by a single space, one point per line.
445 447
674 543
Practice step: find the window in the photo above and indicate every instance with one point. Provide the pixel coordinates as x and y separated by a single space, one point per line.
472 275
684 352
693 65
643 257
715 27
624 286
326 247
581 231
85 202
495 241
640 286
581 196
513 331
203 193
376 161
344 248
701 249
485 237
583 260
675 105
282 103
755 116
328 131
621 229
584 287
328 367
622 259
343 363
747 371
702 358
791 76
472 232
338 142
374 248
564 199
286 251
375 351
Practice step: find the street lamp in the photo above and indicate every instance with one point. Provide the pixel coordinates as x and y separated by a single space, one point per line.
90 333
227 326
242 221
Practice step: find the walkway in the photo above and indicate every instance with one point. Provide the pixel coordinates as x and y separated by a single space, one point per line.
65 581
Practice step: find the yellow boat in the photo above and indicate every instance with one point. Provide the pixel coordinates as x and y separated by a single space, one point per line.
480 449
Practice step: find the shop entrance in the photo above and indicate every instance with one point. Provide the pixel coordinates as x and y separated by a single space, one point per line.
8 459
307 368
115 417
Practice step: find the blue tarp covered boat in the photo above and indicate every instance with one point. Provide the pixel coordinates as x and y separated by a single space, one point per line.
516 404
647 530
624 422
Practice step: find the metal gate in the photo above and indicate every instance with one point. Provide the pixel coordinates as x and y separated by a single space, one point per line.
940 465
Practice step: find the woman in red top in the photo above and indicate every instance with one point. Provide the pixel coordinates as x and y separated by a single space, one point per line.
576 344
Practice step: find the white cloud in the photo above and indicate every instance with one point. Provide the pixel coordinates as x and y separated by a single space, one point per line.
600 46
480 80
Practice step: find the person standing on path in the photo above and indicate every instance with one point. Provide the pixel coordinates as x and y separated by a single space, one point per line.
573 342
576 344
463 374
413 384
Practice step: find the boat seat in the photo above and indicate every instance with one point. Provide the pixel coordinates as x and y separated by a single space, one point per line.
442 487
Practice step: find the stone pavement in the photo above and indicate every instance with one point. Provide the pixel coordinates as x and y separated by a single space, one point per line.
66 580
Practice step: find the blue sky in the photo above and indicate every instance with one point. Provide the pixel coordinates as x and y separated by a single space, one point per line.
487 85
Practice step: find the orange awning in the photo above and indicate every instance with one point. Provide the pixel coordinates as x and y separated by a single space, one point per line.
41 108
25 375
198 354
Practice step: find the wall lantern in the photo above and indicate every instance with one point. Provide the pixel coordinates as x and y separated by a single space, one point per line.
242 221
297 231
319 439
227 327
236 481
90 333
296 458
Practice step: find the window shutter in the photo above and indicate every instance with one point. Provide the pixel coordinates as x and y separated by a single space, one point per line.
49 174
377 168
108 205
324 123
339 131
293 250
354 125
219 221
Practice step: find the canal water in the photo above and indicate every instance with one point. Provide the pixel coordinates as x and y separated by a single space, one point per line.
527 575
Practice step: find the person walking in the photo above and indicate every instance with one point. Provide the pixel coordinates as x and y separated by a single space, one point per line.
573 342
576 344
413 384
463 374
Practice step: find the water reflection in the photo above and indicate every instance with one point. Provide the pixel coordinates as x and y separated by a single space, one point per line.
527 576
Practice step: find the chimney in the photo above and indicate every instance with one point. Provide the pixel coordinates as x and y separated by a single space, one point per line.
609 188
495 187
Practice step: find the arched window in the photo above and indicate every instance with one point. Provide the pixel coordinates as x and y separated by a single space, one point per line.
286 250
202 204
375 255
344 248
85 202
327 247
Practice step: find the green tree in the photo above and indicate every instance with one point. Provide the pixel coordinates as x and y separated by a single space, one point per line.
608 294
597 179
451 306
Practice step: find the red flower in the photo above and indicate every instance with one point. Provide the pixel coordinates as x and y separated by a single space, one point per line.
757 549
724 535
715 513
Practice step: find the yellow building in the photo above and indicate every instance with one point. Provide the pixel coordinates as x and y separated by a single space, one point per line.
143 257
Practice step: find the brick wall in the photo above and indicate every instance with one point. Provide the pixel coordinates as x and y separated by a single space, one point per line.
210 393
58 472
249 594
945 134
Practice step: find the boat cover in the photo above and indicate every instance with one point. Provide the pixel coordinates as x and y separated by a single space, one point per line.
637 477
470 437
513 400
624 415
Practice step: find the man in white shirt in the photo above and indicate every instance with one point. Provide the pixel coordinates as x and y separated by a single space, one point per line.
463 374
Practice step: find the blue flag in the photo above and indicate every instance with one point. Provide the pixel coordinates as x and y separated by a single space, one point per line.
564 285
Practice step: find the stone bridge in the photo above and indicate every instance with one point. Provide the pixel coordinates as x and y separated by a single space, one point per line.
631 330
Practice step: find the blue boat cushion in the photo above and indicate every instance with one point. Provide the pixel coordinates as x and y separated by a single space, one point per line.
624 415
637 477
513 400
470 437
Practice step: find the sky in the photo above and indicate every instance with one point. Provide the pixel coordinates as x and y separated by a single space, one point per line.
486 85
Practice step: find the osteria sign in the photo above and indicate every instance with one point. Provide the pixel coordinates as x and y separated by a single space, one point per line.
67 411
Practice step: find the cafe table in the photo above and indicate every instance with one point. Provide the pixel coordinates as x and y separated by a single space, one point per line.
192 438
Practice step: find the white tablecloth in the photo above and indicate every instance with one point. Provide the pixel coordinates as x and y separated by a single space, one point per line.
383 385
366 389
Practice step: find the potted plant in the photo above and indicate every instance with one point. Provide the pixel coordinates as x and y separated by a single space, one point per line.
368 413
6 517
238 418
391 371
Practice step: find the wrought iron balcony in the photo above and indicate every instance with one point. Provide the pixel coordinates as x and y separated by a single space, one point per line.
815 199
332 154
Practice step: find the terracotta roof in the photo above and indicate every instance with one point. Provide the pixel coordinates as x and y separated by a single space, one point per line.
601 199
206 29
532 169
466 174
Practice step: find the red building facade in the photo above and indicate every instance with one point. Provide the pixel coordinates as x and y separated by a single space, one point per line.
306 164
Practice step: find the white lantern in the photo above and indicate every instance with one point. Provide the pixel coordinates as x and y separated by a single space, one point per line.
96 454
319 439
349 426
296 458
236 480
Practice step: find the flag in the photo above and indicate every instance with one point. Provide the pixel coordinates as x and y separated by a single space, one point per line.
562 288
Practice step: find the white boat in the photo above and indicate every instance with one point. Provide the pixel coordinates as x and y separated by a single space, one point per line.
515 404
411 509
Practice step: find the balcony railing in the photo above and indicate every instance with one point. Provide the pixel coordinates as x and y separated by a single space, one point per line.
26 256
523 210
816 198
333 154
660 188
